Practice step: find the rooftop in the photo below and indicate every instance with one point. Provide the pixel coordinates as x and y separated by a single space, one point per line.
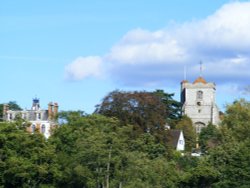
200 80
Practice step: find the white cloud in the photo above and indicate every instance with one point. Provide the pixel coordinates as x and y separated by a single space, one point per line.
142 57
141 46
84 67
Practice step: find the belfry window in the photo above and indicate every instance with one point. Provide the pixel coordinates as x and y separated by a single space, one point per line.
199 95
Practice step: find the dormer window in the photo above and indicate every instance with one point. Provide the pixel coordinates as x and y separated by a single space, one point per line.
199 95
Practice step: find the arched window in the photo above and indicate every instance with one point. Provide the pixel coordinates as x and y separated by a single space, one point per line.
43 129
199 126
33 128
199 95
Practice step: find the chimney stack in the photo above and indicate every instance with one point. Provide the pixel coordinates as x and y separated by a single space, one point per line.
55 109
50 111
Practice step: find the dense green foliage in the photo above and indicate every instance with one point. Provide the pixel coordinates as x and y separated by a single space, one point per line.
99 151
26 160
172 107
185 124
209 137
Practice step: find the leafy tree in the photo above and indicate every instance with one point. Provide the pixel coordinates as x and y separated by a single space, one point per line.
98 151
71 117
186 125
209 137
173 107
232 160
203 174
144 110
230 157
237 119
26 160
14 106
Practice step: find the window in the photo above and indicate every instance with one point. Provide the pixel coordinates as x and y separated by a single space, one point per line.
39 116
11 117
199 95
33 128
43 128
199 126
181 142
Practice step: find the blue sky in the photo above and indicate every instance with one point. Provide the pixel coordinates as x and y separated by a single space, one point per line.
75 52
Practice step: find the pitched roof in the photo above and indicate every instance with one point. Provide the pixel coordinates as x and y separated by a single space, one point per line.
200 80
175 135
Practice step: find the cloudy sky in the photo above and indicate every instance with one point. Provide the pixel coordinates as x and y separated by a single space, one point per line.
75 52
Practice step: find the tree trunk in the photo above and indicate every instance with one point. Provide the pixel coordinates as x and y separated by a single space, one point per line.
120 184
108 167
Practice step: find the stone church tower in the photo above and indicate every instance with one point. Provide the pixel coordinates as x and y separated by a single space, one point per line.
198 102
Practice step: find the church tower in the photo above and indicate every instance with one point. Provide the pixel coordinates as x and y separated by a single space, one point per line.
198 102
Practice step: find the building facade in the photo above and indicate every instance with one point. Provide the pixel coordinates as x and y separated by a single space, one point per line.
177 140
41 120
199 103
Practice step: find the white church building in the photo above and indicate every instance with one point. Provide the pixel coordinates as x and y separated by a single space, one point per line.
198 102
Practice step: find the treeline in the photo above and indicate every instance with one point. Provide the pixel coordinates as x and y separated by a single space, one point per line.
125 144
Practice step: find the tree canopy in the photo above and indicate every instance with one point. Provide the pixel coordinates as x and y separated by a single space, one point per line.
26 160
101 151
146 111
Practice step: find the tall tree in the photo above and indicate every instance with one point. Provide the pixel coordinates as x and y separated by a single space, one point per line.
237 119
144 110
173 107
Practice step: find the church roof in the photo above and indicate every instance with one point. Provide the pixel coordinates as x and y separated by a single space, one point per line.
200 80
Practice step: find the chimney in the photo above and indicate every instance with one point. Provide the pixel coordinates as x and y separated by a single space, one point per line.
50 111
55 110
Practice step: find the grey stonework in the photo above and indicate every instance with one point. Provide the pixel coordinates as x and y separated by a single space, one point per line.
198 103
